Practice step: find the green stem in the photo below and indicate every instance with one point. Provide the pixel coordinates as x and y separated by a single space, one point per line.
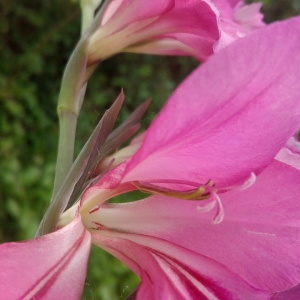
87 14
67 132
69 104
70 99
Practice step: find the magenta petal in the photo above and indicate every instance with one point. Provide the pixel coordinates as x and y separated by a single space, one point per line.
237 20
160 27
181 27
290 154
168 271
196 17
294 145
233 3
287 156
217 123
291 294
125 12
259 238
50 267
250 16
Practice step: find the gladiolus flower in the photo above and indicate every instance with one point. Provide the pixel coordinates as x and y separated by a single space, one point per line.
173 27
223 218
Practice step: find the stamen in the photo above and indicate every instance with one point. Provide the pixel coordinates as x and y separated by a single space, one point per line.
206 207
248 182
220 212
244 185
201 193
218 218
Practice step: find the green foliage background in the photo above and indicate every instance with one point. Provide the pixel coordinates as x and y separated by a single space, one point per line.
36 38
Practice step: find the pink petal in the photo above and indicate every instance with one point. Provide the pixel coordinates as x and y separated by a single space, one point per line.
290 154
129 11
132 25
217 123
195 17
233 3
176 44
291 294
258 240
294 145
236 20
285 155
50 267
169 271
249 16
191 23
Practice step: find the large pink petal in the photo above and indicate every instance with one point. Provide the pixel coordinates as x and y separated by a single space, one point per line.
259 238
168 271
217 123
50 267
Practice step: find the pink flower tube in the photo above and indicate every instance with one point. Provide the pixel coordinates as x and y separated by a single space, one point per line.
223 218
174 27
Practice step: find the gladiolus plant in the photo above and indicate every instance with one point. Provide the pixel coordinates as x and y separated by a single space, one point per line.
218 168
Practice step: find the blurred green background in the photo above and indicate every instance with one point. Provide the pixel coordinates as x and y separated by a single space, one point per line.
36 39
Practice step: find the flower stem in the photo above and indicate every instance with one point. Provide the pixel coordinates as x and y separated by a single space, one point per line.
71 97
69 104
87 13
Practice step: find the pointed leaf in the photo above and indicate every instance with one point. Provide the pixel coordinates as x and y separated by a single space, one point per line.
79 172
